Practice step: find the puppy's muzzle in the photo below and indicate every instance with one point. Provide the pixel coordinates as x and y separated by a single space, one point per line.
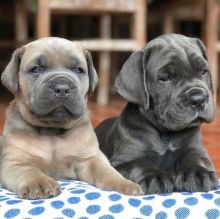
197 98
61 87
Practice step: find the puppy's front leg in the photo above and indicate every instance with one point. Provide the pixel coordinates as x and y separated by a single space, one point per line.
29 182
98 171
195 173
20 173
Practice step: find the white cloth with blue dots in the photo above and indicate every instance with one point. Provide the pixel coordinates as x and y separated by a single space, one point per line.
82 201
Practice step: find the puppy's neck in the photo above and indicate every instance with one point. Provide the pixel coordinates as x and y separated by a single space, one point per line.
132 116
142 117
37 121
51 131
32 122
145 124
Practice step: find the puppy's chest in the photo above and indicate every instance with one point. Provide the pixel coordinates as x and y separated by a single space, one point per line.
55 145
48 148
172 153
60 152
57 155
170 144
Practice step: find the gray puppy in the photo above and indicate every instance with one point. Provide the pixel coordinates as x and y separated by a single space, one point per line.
156 141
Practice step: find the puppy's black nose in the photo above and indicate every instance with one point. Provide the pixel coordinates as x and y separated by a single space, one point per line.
61 90
197 98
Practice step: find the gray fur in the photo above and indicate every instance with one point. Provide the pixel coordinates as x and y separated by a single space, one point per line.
156 141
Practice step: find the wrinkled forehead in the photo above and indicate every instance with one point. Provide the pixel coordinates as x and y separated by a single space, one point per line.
54 51
179 53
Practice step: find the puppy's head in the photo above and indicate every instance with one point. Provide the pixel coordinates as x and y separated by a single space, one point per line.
170 80
51 79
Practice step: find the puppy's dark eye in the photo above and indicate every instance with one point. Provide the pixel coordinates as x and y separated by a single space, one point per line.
78 70
37 69
204 71
165 78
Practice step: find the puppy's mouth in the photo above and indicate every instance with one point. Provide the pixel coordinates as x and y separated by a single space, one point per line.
57 111
181 116
59 114
197 121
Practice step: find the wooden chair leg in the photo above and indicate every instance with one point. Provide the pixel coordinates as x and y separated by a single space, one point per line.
169 24
104 63
43 19
139 25
211 39
104 78
21 22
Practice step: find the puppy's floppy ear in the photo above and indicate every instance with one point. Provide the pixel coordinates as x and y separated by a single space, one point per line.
93 78
202 48
205 56
131 81
9 76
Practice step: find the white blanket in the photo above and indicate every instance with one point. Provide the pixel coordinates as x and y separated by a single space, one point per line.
80 200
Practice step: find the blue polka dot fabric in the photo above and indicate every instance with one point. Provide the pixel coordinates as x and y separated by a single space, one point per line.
83 201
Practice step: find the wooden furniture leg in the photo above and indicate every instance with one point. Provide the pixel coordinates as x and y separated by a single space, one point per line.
139 25
21 22
43 19
168 26
211 39
104 62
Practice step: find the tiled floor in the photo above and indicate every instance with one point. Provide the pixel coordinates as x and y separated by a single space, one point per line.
211 132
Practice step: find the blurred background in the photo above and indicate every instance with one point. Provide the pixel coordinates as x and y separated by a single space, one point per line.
112 30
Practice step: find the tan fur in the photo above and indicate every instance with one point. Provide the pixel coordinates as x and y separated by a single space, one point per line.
34 156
